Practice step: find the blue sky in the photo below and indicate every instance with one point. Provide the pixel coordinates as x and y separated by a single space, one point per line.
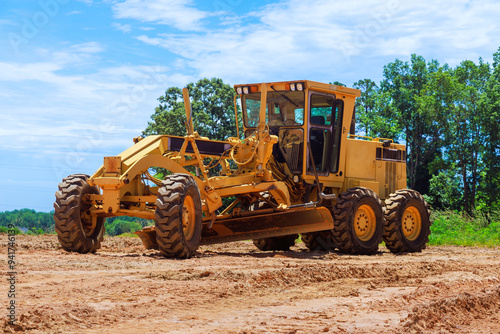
80 78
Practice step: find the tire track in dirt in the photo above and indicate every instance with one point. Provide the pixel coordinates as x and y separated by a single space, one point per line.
232 288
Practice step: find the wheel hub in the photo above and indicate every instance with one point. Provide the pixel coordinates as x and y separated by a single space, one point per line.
411 223
188 217
88 221
365 223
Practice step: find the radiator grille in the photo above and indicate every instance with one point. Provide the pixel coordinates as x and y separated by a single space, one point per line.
390 177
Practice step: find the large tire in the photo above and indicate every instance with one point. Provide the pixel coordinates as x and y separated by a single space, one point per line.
319 241
178 216
276 243
358 221
407 222
72 221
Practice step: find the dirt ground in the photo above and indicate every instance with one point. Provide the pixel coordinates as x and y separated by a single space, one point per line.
234 288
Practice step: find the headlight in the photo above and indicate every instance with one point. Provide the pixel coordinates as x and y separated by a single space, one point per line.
292 87
245 90
300 86
296 179
239 90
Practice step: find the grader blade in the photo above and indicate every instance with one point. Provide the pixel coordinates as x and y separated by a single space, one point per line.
259 225
273 224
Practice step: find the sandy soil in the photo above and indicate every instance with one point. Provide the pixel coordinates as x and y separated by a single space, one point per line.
234 288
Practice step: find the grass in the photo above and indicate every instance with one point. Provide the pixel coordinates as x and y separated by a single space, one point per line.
128 235
448 228
452 228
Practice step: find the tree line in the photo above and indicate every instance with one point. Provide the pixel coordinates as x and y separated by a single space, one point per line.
32 222
448 117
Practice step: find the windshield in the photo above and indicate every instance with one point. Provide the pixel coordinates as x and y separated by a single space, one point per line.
284 108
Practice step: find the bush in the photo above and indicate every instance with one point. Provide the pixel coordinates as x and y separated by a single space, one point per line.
5 229
118 227
128 235
35 231
452 228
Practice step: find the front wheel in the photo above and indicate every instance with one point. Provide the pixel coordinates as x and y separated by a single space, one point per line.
77 230
358 221
407 226
178 216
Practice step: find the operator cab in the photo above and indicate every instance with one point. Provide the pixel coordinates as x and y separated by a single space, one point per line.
285 118
294 112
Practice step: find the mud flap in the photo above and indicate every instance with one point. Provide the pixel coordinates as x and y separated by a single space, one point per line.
148 237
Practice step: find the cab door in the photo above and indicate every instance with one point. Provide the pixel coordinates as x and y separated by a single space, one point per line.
324 132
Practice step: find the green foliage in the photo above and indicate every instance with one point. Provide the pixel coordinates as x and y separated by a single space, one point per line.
452 97
128 235
212 108
35 231
490 105
28 219
374 113
448 118
444 192
452 228
337 83
403 84
121 225
5 229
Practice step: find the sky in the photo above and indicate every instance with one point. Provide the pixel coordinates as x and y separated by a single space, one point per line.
80 78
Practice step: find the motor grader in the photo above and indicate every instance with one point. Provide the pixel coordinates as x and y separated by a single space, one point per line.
300 169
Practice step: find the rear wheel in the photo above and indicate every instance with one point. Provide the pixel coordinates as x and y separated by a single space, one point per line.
76 229
276 243
407 226
358 221
319 241
178 216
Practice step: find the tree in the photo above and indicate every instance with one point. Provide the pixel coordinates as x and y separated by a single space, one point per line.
403 84
212 111
466 143
444 192
365 105
337 83
27 219
490 115
119 226
374 112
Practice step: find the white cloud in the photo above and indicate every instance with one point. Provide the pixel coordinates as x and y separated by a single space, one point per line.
48 109
295 38
126 28
75 12
176 13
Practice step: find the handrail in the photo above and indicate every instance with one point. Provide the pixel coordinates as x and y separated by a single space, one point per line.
369 138
359 136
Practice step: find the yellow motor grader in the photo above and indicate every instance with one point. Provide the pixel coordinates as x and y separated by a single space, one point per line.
300 169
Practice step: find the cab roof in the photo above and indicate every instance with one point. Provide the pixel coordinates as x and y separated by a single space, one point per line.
285 85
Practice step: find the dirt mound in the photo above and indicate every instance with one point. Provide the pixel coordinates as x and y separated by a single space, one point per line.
452 312
46 319
235 288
